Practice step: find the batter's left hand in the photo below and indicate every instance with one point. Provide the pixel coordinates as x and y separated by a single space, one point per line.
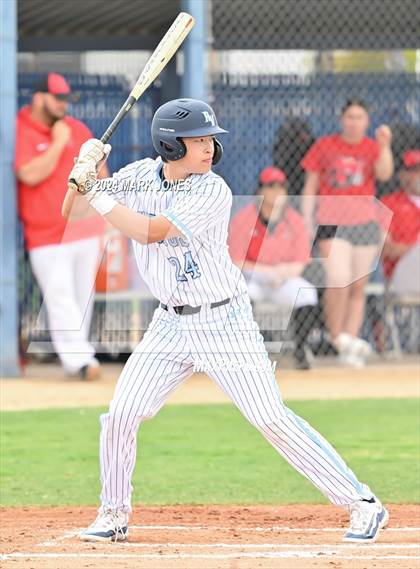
383 135
94 149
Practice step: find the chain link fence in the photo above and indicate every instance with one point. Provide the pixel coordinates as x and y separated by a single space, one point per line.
280 73
114 330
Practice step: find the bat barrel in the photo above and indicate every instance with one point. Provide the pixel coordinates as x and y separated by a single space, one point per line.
157 61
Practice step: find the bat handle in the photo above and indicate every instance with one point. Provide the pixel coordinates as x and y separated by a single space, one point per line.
107 135
118 118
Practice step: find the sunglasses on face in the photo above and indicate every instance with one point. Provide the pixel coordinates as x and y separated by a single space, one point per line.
62 97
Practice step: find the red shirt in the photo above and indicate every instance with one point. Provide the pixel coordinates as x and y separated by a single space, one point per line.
40 205
344 170
405 224
250 239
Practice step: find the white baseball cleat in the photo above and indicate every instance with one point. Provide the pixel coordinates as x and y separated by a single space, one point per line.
366 520
110 525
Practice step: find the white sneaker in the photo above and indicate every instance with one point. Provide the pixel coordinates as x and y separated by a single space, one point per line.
110 525
350 360
353 352
343 343
360 348
366 519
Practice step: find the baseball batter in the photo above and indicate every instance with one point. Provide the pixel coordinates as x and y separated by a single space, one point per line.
176 210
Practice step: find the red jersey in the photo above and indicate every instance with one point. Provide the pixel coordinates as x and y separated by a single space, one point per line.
405 224
344 170
40 205
250 239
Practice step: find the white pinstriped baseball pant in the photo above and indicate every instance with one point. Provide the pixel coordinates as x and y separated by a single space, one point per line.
165 358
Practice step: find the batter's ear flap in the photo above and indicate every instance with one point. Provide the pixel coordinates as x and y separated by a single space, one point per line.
175 150
182 149
218 151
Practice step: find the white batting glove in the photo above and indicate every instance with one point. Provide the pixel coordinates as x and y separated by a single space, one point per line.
93 153
94 150
83 175
83 178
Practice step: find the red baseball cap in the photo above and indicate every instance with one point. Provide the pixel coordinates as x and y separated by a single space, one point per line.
272 175
53 83
411 158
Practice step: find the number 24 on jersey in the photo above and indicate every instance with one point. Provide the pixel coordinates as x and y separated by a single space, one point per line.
190 267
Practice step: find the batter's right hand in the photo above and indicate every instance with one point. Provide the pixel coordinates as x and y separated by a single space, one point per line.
83 176
93 150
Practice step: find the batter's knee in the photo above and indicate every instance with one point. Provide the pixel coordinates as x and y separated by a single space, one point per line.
266 423
127 413
116 416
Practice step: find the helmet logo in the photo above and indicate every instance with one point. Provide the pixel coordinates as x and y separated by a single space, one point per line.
208 117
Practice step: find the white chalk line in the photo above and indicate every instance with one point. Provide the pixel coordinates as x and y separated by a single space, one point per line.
253 555
336 546
317 546
260 529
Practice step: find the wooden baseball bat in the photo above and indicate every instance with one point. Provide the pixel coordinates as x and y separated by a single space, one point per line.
166 48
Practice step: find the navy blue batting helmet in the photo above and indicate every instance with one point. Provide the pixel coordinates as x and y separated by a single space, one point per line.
184 118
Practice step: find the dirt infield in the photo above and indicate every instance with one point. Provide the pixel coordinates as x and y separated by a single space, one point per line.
211 537
222 537
44 386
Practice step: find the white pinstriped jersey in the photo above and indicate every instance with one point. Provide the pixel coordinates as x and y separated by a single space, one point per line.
194 269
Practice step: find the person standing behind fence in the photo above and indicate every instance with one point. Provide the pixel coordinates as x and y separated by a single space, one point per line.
402 243
270 245
341 170
63 255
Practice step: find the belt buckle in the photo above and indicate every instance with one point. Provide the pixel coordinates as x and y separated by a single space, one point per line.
178 310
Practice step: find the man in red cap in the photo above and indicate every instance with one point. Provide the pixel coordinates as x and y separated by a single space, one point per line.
401 253
270 243
63 255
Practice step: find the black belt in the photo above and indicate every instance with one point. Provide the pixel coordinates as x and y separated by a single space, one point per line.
187 309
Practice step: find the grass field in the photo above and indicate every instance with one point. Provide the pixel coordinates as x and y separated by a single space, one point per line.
199 454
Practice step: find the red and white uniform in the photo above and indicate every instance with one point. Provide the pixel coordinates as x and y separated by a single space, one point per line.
286 241
250 239
40 205
405 224
64 255
346 172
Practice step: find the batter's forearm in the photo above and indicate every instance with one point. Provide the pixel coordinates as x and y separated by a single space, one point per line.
141 228
68 202
133 225
75 206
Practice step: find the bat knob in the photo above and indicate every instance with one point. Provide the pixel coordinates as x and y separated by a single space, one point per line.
73 185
